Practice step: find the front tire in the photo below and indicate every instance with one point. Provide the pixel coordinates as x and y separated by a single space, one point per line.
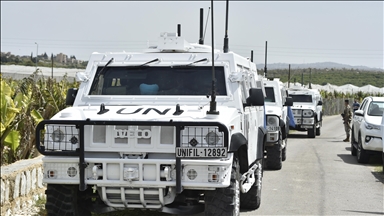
284 154
225 201
252 199
66 200
353 149
312 132
362 155
318 131
275 157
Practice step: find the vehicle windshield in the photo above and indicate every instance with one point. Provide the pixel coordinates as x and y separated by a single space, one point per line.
270 95
376 108
145 80
301 98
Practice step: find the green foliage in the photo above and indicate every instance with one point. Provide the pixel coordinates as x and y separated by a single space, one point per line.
333 76
24 103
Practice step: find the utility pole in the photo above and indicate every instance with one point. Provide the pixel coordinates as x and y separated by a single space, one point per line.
289 74
37 53
265 64
310 78
52 65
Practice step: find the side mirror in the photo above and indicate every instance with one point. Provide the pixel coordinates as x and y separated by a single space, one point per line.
288 101
81 77
256 97
359 112
320 103
71 95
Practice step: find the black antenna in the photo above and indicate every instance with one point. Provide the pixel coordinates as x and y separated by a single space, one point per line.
201 39
265 64
226 29
212 107
178 30
206 23
251 55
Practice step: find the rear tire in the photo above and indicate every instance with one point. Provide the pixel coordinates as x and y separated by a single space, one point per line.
252 199
274 157
66 200
225 201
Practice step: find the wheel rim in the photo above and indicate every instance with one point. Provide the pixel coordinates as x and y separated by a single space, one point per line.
359 148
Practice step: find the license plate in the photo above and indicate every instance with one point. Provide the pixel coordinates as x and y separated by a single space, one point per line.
307 126
200 152
273 128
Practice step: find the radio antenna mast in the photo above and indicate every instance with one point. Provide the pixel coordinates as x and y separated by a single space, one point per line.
212 107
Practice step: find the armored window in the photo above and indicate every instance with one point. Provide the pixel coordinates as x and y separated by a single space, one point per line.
270 94
148 80
301 98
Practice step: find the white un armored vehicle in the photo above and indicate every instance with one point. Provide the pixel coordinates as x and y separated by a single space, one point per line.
153 131
277 105
307 110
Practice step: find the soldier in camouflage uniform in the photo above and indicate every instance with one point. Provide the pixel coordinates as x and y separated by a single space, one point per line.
347 117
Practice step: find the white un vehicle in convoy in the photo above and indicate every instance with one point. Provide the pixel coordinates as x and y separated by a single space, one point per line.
277 122
366 131
307 110
144 132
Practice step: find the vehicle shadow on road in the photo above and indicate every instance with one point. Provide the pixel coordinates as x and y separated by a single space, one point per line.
348 158
301 136
375 160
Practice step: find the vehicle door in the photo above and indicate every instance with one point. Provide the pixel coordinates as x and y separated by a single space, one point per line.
358 120
250 115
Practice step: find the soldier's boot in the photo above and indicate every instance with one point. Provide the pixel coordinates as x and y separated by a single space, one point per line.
346 139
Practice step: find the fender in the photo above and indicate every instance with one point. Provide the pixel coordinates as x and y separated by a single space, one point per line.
239 145
261 143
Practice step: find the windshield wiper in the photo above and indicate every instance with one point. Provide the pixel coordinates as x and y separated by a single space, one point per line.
102 69
190 64
147 63
101 73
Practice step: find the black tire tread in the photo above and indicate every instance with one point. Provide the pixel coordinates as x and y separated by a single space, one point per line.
274 158
64 200
220 202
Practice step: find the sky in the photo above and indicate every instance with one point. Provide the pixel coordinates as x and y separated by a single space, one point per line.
297 32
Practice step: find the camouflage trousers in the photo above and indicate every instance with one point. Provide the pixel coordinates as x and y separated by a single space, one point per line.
347 128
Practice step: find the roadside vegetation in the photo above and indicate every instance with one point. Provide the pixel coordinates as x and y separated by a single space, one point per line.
24 103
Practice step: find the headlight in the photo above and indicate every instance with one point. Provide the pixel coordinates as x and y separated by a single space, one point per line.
61 137
57 135
371 126
308 113
272 121
212 138
202 136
